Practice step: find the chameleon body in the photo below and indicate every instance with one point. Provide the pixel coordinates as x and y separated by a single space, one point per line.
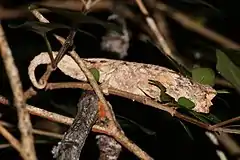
132 77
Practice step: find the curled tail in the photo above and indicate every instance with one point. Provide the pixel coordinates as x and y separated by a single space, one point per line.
42 58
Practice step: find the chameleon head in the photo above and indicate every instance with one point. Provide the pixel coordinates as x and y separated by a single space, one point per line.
204 105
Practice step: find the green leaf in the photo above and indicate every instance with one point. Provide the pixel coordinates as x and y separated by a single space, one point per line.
203 76
95 73
187 103
199 116
39 27
228 69
80 18
164 97
206 117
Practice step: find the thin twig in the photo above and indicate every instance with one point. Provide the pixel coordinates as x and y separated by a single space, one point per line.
224 123
13 141
68 43
24 122
35 131
227 130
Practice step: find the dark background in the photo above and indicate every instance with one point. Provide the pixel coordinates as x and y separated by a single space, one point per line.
166 138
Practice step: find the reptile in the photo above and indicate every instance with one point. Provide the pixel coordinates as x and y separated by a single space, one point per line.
132 77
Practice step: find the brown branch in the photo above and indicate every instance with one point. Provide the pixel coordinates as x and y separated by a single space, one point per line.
96 128
86 86
74 138
24 122
112 124
140 99
227 130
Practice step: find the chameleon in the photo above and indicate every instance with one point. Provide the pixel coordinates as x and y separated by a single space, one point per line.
132 77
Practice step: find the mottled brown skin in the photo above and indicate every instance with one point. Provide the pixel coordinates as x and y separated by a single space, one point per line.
134 78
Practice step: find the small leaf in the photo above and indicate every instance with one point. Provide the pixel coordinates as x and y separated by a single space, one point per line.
39 27
203 76
95 73
228 69
184 102
42 28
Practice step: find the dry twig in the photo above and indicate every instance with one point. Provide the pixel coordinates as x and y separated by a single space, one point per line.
24 122
35 131
12 140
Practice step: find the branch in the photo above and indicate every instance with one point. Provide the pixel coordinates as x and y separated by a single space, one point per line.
74 139
134 97
35 131
111 125
24 122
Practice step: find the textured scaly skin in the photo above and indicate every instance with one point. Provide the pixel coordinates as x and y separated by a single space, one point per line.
134 78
